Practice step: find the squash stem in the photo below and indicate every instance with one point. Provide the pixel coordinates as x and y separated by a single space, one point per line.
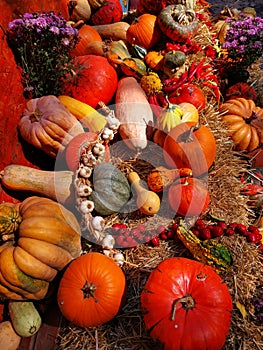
187 302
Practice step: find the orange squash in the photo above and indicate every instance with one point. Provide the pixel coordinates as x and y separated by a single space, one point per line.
190 146
245 123
144 31
87 34
47 239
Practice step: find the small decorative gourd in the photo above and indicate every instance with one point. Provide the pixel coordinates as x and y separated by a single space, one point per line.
9 218
159 178
148 202
111 189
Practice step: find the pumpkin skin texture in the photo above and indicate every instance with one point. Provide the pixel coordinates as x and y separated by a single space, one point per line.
87 34
178 22
189 93
144 31
244 120
110 12
188 197
9 218
91 290
95 80
200 299
48 125
111 189
47 239
184 148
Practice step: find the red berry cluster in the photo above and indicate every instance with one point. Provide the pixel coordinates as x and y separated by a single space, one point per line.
130 237
189 47
206 231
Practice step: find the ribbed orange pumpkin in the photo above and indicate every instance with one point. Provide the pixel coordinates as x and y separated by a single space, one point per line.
47 239
144 31
190 146
91 290
87 34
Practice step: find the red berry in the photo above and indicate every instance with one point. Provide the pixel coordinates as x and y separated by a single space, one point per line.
199 224
222 224
217 231
253 229
252 238
170 234
233 225
155 241
161 229
229 232
205 233
163 236
242 229
118 226
141 228
174 227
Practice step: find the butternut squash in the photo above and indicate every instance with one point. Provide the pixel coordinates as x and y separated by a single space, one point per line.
114 31
56 258
134 113
9 339
24 317
56 185
148 202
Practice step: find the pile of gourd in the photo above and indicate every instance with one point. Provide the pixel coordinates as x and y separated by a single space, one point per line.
123 64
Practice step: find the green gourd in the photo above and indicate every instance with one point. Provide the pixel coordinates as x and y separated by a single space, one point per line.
111 189
24 317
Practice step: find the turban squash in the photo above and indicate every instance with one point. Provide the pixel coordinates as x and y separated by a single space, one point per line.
245 123
47 239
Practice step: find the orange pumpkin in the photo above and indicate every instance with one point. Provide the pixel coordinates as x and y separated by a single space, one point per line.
190 146
91 290
188 196
87 34
245 123
144 31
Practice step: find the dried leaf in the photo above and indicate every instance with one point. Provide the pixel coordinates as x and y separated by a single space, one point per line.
241 308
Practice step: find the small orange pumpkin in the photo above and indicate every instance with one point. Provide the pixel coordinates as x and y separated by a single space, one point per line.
92 290
87 34
144 31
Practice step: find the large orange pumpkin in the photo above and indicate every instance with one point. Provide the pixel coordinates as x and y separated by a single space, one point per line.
91 290
94 80
190 146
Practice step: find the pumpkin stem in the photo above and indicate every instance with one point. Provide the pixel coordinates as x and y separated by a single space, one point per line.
88 290
187 302
35 116
188 135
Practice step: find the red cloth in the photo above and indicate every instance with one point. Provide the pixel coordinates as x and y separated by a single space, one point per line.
12 149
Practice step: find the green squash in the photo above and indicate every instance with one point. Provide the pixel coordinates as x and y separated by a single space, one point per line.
111 189
24 317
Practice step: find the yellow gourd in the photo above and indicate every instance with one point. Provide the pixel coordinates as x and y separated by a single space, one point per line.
148 202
